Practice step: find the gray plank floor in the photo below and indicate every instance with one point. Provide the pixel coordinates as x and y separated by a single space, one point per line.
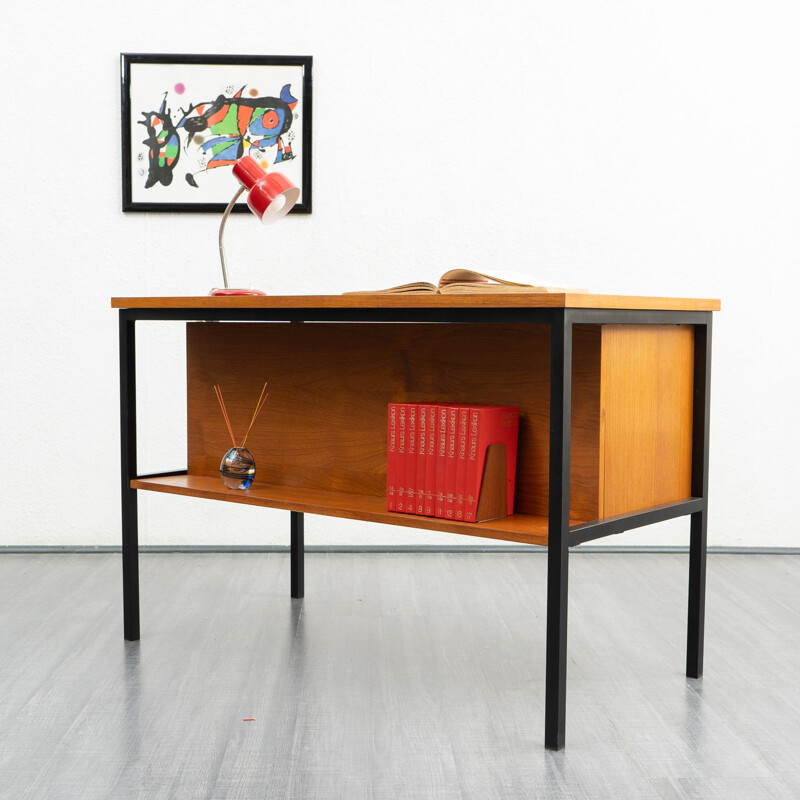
399 676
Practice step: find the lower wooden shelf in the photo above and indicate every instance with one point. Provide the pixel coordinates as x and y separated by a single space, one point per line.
524 528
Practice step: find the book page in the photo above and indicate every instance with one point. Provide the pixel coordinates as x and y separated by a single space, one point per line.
418 287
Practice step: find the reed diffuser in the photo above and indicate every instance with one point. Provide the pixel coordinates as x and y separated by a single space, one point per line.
238 467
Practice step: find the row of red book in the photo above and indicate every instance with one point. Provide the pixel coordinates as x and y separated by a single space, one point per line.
452 461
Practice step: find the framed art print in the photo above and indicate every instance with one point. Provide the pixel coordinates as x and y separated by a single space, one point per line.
187 119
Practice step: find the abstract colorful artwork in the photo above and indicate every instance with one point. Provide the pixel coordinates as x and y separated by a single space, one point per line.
187 119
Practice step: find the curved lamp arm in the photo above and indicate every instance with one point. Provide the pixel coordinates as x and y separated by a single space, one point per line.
225 216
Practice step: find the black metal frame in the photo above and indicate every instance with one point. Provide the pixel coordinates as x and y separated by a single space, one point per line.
560 535
128 62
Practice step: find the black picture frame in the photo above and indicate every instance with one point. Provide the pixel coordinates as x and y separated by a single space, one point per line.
161 114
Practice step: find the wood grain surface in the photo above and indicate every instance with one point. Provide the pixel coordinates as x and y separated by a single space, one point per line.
488 300
324 426
585 473
524 528
646 418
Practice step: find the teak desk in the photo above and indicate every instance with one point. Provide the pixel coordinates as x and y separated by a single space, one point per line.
614 415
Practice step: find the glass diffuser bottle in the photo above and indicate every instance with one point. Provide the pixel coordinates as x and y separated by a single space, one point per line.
238 467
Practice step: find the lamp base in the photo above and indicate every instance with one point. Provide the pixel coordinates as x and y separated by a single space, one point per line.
236 292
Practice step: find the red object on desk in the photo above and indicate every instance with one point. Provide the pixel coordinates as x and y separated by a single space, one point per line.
270 196
237 293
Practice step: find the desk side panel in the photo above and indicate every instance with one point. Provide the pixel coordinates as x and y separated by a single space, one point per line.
324 425
646 416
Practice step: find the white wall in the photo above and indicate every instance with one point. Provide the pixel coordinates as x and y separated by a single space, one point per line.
632 147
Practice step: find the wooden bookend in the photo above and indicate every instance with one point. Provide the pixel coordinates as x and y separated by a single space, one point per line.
493 499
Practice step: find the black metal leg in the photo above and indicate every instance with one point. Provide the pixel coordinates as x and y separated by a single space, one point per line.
130 514
699 520
697 596
555 706
297 553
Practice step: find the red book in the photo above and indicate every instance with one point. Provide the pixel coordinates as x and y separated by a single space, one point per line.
450 463
470 479
391 460
430 461
422 458
461 463
441 460
401 456
490 425
411 458
471 493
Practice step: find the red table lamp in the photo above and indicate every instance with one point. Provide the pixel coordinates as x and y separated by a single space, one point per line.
271 195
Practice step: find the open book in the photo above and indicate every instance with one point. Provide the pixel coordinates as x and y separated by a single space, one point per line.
466 281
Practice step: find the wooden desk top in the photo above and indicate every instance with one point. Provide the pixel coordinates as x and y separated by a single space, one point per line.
487 300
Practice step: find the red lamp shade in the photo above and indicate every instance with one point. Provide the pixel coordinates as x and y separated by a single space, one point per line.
270 195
